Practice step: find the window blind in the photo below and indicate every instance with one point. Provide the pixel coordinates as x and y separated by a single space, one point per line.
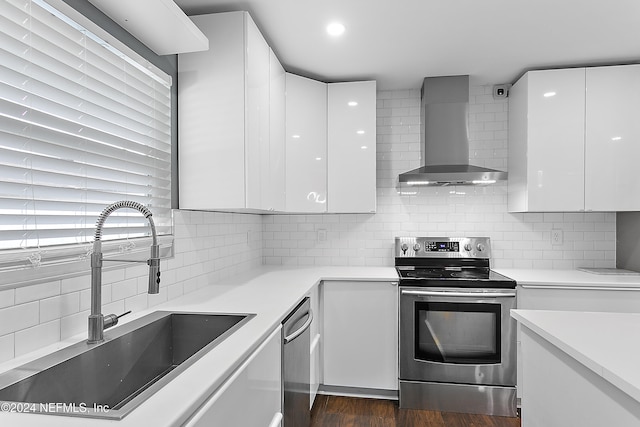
82 125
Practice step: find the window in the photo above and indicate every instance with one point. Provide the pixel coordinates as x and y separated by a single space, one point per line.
83 124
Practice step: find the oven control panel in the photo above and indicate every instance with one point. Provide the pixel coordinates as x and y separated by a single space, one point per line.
442 247
433 246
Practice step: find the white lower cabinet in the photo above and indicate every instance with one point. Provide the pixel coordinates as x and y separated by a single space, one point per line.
315 349
360 335
561 391
252 396
572 298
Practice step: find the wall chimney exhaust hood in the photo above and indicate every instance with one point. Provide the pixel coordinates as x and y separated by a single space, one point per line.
444 111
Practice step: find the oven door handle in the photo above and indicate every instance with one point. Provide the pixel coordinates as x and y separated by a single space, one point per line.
500 294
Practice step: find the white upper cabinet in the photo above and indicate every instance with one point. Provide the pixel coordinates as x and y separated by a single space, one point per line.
574 140
352 147
252 137
330 146
306 145
613 139
223 116
210 131
546 141
274 186
257 85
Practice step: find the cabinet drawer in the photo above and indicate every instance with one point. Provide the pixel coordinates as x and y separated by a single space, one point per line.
256 384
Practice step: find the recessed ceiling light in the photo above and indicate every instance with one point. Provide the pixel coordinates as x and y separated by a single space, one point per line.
352 104
360 132
549 94
364 147
295 136
335 29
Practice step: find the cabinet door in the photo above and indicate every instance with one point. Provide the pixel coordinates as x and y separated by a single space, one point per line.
573 298
316 342
211 116
306 145
352 147
546 141
257 114
274 194
613 139
252 395
360 334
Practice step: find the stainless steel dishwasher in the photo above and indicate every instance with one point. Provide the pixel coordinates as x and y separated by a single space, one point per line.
296 366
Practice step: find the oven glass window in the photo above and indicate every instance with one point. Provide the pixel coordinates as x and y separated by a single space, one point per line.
457 332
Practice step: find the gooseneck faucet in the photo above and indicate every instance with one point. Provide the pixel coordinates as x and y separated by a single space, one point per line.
97 322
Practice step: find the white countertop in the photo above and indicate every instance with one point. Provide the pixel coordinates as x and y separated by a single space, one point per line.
603 342
555 278
268 292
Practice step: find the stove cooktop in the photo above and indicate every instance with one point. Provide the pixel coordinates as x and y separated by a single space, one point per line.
452 277
448 262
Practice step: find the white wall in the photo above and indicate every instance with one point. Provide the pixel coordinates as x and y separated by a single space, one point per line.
519 240
209 247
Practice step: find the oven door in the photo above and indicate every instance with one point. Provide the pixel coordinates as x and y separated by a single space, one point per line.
458 335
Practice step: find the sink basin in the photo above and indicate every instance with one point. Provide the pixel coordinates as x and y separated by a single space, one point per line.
110 379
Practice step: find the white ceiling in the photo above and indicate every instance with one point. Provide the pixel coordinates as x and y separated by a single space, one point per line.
399 42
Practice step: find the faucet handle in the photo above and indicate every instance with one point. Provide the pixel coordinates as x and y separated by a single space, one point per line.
112 320
154 270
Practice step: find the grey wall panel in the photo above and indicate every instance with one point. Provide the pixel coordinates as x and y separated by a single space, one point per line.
628 240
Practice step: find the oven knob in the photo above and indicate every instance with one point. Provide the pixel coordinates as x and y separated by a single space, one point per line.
480 247
404 248
467 247
416 247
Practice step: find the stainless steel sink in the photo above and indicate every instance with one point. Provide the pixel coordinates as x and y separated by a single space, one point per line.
110 379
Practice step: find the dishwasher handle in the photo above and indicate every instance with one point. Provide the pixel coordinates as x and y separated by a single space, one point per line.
300 331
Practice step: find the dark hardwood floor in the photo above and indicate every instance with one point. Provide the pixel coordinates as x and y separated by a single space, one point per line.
337 411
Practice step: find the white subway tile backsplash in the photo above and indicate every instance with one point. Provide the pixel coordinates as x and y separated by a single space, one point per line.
37 292
7 347
7 298
75 284
30 339
124 289
175 291
73 324
59 306
112 275
159 298
136 303
19 317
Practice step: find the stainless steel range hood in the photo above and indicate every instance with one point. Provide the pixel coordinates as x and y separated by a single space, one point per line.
445 137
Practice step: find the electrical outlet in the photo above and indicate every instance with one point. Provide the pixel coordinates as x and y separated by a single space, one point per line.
556 237
322 235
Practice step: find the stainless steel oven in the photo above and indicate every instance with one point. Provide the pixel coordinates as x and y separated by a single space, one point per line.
457 339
